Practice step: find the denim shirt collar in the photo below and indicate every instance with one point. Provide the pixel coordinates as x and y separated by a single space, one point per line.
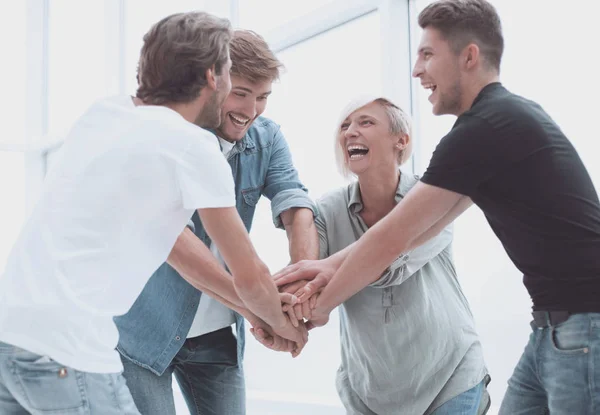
247 142
355 205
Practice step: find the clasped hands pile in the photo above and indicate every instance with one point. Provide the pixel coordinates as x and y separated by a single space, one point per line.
299 285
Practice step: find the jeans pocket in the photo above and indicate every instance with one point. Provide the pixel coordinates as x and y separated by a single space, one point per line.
50 387
571 337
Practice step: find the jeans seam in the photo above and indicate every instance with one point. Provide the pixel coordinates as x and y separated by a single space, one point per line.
114 391
591 383
193 390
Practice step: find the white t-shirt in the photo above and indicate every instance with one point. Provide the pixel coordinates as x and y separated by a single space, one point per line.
211 314
126 184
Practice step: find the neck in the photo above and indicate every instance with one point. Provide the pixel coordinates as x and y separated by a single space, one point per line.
188 110
378 193
473 88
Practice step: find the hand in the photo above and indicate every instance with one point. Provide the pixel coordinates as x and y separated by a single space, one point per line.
298 335
318 272
264 334
299 311
319 319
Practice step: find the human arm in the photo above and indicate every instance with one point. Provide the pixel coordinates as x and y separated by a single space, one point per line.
197 265
251 278
421 210
301 233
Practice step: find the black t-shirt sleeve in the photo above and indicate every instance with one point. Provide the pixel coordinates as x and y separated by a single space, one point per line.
467 156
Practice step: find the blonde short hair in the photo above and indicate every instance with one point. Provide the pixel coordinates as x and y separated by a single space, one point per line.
399 120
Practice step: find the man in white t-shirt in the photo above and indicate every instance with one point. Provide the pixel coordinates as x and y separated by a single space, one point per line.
173 329
130 175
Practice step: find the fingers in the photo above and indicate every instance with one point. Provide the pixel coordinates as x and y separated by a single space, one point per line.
313 301
285 271
311 288
303 270
292 287
298 312
288 298
263 337
306 309
291 313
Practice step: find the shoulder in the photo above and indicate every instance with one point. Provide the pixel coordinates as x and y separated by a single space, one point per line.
334 201
407 181
265 132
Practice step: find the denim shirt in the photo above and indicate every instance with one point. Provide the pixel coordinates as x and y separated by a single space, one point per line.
156 326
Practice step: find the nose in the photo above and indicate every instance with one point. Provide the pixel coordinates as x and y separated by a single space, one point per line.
351 131
249 108
418 69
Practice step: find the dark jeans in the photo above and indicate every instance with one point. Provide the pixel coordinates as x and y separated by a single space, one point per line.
559 371
209 375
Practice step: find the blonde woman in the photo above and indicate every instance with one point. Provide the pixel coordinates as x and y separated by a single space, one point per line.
409 344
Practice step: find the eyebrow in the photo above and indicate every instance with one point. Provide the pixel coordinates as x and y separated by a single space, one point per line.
248 90
424 49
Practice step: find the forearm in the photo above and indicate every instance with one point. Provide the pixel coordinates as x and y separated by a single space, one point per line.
251 278
422 208
463 204
197 265
302 234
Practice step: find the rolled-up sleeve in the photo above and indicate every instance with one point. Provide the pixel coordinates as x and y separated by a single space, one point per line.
409 263
282 183
322 231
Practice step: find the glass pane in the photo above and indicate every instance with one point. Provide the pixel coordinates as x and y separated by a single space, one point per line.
140 15
76 73
13 75
13 71
322 75
12 183
265 15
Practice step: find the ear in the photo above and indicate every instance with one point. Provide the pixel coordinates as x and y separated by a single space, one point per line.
211 78
402 141
471 56
404 144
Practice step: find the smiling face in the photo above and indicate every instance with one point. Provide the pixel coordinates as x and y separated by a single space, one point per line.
246 101
366 140
437 67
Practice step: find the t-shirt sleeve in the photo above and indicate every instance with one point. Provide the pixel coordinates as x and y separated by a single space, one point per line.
205 179
466 157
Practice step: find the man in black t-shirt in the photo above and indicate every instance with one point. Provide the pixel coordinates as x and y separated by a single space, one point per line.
506 155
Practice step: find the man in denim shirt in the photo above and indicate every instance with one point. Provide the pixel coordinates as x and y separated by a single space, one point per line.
173 327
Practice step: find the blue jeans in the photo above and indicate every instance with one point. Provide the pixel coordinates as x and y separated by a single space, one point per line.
208 372
34 384
467 403
559 371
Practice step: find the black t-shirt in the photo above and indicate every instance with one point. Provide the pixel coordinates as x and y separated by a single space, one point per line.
515 163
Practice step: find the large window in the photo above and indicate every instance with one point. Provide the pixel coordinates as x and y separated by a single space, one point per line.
318 83
266 15
13 75
338 52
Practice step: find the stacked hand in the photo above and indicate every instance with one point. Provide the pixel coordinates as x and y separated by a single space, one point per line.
300 285
305 279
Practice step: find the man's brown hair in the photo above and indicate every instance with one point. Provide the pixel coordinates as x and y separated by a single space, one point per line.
252 59
467 21
177 52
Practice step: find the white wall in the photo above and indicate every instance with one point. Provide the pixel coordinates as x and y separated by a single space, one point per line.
551 57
